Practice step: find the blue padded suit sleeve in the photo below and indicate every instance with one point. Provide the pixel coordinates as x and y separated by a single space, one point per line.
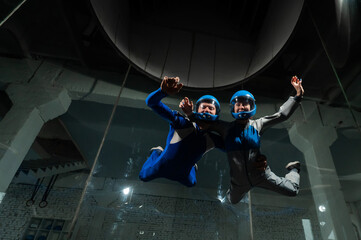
154 102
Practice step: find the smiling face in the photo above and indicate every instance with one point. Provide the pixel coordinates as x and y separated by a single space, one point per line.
207 108
242 106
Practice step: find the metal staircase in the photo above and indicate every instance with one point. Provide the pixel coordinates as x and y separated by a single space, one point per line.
40 168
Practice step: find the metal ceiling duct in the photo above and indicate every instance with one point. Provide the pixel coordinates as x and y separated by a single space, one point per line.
207 44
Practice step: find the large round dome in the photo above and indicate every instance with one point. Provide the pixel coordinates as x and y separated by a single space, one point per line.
206 43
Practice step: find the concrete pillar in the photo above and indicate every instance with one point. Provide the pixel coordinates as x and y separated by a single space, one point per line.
33 104
314 140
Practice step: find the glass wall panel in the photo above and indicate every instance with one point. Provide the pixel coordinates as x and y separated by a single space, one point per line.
118 205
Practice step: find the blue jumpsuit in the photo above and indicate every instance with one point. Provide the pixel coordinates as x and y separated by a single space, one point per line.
186 144
242 143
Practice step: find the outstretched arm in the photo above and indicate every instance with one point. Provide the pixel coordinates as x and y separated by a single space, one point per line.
168 86
287 109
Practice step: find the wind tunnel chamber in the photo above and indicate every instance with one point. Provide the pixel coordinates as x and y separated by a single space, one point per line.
208 44
214 47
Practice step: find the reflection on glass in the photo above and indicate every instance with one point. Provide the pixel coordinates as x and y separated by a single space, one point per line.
2 195
322 208
126 191
307 228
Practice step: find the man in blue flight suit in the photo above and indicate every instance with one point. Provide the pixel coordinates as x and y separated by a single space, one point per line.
242 144
186 143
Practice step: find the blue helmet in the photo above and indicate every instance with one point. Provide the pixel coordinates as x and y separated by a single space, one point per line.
243 96
207 116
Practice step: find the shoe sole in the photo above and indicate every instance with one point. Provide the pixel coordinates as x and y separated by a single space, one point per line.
157 148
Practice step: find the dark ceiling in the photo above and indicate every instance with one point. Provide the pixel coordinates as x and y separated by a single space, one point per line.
69 30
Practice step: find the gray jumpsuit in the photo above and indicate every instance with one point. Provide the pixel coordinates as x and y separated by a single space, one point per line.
243 147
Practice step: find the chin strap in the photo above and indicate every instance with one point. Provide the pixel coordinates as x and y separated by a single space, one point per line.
241 115
244 115
205 116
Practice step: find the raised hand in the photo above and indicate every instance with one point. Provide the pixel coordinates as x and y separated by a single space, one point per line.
297 84
187 106
171 85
